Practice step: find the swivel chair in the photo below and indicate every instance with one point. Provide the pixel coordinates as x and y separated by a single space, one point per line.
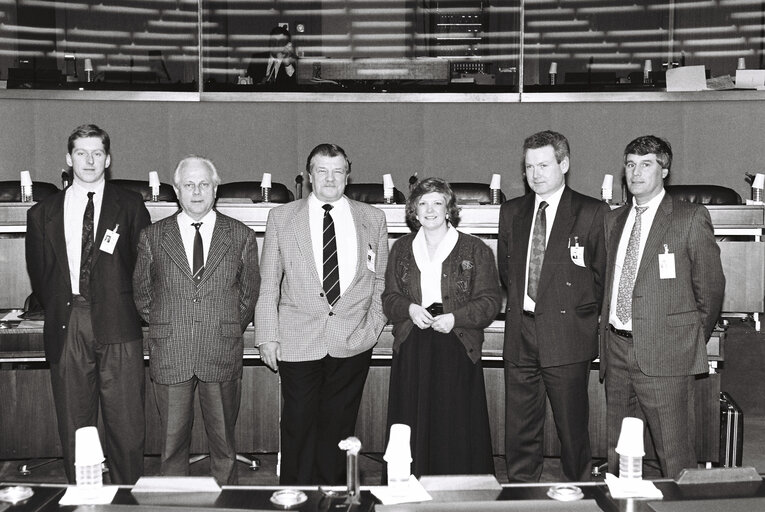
474 193
10 191
251 190
166 192
371 193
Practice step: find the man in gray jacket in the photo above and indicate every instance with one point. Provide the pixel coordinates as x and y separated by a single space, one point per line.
196 283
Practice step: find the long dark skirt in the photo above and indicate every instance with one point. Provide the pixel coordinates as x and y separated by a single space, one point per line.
437 390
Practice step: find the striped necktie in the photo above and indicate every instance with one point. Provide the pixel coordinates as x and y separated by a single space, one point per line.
199 254
86 256
331 269
537 256
629 270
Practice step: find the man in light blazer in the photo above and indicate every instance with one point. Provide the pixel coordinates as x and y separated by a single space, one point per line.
92 333
196 283
663 294
319 315
551 323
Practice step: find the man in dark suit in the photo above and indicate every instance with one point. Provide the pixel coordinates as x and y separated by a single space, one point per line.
319 315
278 66
663 293
551 258
80 251
196 283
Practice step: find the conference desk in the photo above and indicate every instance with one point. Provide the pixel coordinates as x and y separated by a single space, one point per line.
677 497
28 426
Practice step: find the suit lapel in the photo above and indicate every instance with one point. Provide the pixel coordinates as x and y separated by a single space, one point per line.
557 245
110 207
303 238
54 223
613 237
659 226
172 244
219 245
522 226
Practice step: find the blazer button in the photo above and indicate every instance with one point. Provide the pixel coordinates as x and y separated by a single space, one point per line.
63 327
195 300
68 303
321 294
562 311
331 313
568 284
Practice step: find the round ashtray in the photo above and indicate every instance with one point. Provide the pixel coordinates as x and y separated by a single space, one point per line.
565 492
15 494
288 498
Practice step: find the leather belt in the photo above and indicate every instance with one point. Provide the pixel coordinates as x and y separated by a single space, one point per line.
619 332
529 314
435 309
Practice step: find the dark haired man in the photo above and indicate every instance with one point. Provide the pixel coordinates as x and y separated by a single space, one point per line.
319 315
551 258
663 293
277 67
81 251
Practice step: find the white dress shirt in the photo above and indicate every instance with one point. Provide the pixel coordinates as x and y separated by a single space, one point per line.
430 268
345 233
75 201
646 221
552 209
188 232
272 70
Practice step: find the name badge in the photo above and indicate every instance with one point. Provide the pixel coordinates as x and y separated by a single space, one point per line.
110 240
371 258
577 252
667 264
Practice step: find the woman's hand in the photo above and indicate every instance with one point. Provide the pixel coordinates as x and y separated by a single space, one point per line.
420 316
443 323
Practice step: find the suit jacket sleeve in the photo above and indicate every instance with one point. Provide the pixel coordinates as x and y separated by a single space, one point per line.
485 297
34 243
502 242
142 287
271 272
375 319
596 248
707 276
395 301
249 280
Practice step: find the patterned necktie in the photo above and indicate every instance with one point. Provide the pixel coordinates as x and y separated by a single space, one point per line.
537 256
629 270
86 256
331 269
199 254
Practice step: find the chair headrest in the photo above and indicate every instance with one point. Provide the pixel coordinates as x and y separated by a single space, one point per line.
10 191
704 194
251 190
371 193
469 192
166 192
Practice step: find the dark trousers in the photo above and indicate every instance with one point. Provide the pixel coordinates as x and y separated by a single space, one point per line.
219 402
666 402
526 385
89 373
321 404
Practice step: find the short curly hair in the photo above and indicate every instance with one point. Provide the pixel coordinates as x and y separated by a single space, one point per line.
427 186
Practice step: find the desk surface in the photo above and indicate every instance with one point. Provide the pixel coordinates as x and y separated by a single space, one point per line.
732 497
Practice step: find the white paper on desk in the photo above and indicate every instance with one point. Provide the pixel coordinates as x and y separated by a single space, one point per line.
31 324
414 492
623 488
750 78
687 78
176 484
89 495
13 316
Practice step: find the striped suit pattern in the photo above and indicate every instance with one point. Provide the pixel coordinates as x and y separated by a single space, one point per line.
672 320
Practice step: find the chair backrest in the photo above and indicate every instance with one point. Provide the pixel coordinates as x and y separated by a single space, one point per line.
166 192
704 194
472 193
10 191
371 193
251 190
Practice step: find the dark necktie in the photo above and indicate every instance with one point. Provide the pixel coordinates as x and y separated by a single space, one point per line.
537 256
629 270
86 256
199 255
331 269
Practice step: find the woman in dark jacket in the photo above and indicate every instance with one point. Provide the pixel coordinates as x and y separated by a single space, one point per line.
441 291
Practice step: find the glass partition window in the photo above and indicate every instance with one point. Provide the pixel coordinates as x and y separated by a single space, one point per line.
591 43
121 44
372 45
360 45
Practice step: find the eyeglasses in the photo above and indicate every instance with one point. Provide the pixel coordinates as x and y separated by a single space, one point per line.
202 186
